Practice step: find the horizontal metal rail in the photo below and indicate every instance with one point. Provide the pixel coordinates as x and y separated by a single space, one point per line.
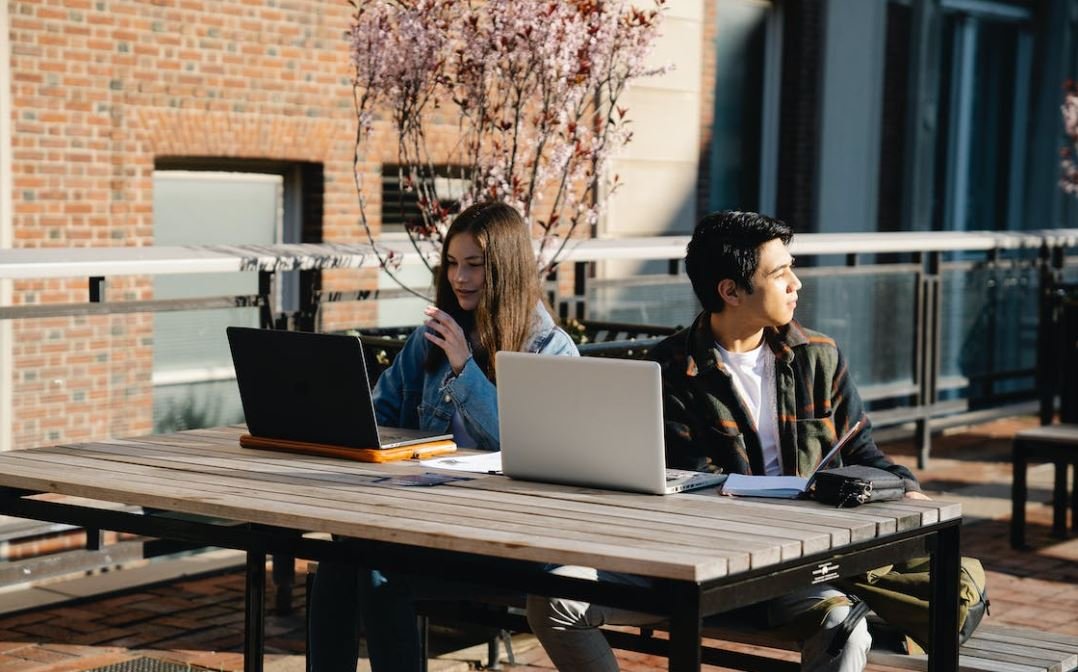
68 262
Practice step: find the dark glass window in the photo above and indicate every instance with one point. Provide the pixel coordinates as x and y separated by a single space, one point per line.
736 129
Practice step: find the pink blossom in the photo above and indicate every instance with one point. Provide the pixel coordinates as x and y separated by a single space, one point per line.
533 85
1069 178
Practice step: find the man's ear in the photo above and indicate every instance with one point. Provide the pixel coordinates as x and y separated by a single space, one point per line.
729 291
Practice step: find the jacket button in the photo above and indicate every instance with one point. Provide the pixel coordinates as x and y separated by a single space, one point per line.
448 398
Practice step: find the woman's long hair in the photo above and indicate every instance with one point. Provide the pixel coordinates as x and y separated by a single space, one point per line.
503 318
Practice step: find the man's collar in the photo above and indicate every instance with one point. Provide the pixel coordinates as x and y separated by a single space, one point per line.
704 356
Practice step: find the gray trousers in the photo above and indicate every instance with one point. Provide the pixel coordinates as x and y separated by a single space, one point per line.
567 628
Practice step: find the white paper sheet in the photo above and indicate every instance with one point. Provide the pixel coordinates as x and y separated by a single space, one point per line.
481 463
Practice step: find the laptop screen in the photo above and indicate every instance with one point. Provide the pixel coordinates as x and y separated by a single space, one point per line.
301 386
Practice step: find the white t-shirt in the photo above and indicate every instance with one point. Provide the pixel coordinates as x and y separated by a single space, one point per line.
753 376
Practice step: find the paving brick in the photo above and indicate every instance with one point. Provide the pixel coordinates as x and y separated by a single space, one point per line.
76 650
99 637
46 631
23 619
42 654
14 664
90 662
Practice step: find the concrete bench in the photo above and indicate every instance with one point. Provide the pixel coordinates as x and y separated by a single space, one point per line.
1050 443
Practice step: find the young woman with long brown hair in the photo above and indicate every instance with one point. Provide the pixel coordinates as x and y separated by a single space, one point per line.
488 299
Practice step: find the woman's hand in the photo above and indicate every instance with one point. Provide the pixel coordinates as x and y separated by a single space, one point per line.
916 494
443 331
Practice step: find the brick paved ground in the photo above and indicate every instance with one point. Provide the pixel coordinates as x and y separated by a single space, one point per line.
200 621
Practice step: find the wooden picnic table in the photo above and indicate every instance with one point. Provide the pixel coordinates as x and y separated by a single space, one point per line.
705 553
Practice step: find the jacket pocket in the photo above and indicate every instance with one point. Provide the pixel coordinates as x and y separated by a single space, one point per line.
728 452
814 438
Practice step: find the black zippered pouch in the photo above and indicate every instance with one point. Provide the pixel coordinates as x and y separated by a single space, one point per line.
857 484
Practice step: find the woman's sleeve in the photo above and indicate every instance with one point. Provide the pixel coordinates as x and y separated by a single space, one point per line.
389 391
558 343
476 399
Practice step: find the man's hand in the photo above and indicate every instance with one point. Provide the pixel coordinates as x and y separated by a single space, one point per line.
443 331
917 494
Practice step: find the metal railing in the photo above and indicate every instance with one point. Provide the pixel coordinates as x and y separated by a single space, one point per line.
937 326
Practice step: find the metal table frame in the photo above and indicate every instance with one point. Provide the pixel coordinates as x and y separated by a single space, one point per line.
686 602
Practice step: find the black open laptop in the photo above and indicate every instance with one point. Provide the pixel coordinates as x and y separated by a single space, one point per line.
311 388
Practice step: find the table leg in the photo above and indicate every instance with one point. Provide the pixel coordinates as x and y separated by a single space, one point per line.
943 621
1059 500
1018 497
686 630
1074 499
284 577
254 617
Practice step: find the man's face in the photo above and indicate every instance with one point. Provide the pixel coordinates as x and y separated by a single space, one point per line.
774 287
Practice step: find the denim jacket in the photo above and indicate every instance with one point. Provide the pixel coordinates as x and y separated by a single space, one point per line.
407 395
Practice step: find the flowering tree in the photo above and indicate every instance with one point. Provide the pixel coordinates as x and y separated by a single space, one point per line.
533 88
1069 179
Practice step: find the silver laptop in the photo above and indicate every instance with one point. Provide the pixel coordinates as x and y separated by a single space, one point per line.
589 421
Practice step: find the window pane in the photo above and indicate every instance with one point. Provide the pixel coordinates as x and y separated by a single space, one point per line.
192 367
739 74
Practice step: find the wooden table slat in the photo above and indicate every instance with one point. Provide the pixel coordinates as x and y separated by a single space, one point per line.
699 536
724 535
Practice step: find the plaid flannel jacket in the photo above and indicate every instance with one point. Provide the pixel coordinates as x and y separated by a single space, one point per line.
709 429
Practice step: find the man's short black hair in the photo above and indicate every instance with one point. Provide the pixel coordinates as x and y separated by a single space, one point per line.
727 244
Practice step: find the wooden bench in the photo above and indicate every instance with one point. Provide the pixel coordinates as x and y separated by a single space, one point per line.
84 551
1002 648
1050 443
992 648
19 566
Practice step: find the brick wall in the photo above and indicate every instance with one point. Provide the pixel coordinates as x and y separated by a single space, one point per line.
103 88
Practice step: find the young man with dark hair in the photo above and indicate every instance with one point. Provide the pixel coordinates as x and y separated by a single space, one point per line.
746 390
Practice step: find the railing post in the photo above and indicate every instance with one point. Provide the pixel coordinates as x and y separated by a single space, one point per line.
579 296
1051 263
928 357
308 301
97 289
265 295
580 287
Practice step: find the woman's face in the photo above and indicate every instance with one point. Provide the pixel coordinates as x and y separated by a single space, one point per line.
466 270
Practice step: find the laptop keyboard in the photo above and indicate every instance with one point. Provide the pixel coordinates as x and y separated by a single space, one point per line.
397 434
681 474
